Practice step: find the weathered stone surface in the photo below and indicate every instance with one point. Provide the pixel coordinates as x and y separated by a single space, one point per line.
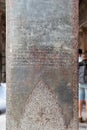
41 43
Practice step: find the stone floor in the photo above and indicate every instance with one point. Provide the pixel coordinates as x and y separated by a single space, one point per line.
83 126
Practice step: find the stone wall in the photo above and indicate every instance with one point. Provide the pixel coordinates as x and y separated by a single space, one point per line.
42 64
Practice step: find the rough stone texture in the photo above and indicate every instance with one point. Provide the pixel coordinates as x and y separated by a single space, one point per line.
41 64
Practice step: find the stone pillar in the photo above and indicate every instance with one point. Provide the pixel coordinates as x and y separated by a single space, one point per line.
42 64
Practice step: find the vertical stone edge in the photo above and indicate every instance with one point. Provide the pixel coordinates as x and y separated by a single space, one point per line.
8 69
75 24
